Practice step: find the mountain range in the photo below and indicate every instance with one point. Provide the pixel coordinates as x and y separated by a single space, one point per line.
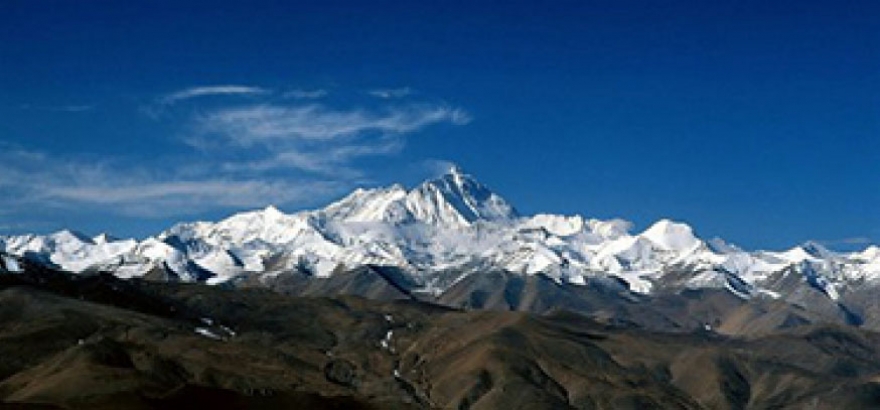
440 296
446 239
99 342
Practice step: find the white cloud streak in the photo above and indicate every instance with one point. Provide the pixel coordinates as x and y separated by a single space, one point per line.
35 179
328 161
389 93
264 123
252 155
314 138
160 198
214 90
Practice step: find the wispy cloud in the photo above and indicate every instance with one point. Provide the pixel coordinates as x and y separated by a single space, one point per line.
327 161
162 104
212 90
263 123
38 179
161 198
296 153
305 94
314 138
389 93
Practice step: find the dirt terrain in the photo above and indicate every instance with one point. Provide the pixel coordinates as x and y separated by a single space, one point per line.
98 342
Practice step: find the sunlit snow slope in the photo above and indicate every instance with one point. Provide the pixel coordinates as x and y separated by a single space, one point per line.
451 224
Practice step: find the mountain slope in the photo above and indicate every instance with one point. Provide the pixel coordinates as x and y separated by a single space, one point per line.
100 342
448 229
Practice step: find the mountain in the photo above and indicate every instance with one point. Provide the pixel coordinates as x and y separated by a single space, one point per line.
98 342
424 241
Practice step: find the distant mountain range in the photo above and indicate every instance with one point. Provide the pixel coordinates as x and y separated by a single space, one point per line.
663 319
443 239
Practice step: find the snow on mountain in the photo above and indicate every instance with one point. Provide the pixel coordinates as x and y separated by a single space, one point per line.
452 223
611 229
558 225
9 264
453 200
457 199
370 205
872 253
71 250
672 236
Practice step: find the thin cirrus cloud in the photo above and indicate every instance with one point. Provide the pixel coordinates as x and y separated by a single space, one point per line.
333 162
37 179
292 153
161 198
214 90
264 123
389 93
314 138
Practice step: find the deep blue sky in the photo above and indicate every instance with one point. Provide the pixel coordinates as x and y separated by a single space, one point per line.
755 121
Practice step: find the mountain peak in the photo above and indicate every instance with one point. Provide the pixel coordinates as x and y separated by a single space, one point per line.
457 176
104 238
457 198
671 235
67 235
816 249
271 210
365 205
454 198
870 253
455 170
451 223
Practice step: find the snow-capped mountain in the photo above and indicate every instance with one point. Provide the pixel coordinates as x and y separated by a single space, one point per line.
442 231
